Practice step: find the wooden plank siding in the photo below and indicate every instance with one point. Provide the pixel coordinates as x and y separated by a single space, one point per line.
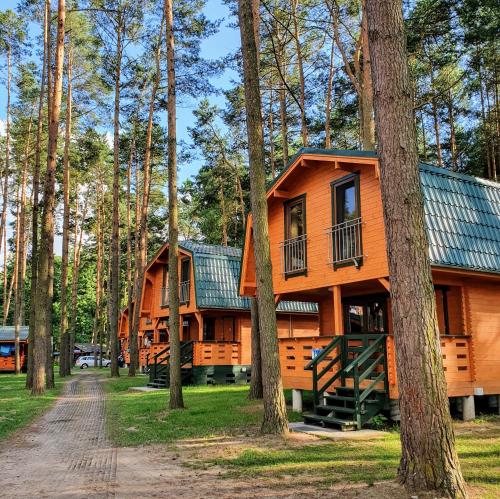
469 327
317 188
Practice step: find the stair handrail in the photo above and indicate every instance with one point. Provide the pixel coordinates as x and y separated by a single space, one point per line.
313 365
324 352
360 359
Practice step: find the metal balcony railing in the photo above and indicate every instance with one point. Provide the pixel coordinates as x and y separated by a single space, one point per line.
164 296
184 289
344 242
294 255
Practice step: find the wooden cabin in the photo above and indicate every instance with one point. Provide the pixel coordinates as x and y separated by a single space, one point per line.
216 325
8 348
326 231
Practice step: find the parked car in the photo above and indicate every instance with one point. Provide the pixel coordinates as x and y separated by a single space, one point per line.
88 361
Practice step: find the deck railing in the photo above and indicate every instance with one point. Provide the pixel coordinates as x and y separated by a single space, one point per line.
294 255
344 242
184 290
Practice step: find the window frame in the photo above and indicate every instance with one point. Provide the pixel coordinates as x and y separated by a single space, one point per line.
287 205
352 177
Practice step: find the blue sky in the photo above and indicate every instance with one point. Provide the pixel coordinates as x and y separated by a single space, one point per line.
221 44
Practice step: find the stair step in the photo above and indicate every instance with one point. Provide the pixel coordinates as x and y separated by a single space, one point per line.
344 424
341 398
335 408
157 385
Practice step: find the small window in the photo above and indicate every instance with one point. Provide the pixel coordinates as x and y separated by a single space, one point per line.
209 329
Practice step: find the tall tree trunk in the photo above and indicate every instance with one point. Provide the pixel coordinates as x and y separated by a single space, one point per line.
5 201
328 105
21 252
65 363
368 123
114 285
256 388
429 460
271 134
302 82
141 253
453 140
36 189
275 417
43 311
176 398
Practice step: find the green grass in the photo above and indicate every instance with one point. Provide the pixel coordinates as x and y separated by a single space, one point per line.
375 460
137 418
17 407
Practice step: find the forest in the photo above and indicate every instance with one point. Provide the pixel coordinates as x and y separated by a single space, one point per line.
112 151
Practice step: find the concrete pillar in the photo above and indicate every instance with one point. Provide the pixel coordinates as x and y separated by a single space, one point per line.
468 409
296 400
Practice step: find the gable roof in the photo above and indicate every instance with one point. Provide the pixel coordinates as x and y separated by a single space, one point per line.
8 333
462 213
216 279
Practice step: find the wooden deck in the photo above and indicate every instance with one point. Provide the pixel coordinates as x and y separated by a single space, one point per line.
457 353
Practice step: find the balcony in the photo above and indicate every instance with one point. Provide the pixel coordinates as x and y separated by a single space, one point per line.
344 243
184 291
294 256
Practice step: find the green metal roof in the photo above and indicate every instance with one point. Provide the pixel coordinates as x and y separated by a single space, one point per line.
7 333
216 279
462 214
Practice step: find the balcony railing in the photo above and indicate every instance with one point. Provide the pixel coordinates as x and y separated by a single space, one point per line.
294 255
164 296
345 243
184 290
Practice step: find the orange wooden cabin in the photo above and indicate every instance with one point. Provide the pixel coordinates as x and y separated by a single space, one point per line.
7 348
216 325
328 246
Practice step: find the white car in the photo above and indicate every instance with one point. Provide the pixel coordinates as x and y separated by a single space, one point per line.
88 361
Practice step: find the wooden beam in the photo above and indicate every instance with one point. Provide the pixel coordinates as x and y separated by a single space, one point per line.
307 164
281 194
385 282
277 299
338 315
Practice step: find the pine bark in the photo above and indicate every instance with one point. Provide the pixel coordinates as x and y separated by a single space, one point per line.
114 285
65 363
328 104
35 194
275 416
21 252
176 399
429 460
256 388
44 294
141 253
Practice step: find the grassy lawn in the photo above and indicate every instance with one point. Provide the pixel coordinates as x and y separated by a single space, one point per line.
143 418
17 407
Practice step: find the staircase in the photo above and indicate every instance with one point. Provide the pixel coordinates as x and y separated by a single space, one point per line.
159 369
350 384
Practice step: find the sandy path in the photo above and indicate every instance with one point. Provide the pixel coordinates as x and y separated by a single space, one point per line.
65 454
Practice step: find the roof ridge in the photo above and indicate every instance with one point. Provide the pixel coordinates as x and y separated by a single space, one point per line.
440 170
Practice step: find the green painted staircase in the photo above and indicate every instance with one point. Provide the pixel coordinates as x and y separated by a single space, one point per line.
350 384
159 368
